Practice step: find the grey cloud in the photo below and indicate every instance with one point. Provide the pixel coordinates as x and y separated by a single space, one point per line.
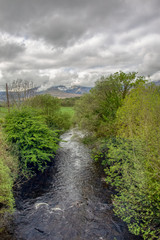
9 51
25 75
85 35
62 22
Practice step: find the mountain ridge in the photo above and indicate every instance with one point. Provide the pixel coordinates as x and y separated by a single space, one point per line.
59 91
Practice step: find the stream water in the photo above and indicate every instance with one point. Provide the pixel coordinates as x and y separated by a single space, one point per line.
73 204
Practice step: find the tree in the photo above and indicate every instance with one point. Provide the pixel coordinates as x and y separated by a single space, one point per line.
137 159
20 90
96 111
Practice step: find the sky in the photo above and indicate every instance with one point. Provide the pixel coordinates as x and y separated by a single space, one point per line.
75 42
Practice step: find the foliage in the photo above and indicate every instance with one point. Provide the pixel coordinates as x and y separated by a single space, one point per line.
60 121
132 161
8 173
46 103
125 167
69 110
50 109
3 111
32 130
69 102
96 111
6 183
122 117
35 142
139 118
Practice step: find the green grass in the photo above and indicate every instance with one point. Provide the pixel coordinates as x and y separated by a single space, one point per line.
69 110
3 111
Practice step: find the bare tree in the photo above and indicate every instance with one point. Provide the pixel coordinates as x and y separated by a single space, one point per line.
20 90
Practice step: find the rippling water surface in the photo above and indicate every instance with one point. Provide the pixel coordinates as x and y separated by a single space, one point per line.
75 206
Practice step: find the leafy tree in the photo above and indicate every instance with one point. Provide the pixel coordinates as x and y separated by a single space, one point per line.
127 118
96 111
132 162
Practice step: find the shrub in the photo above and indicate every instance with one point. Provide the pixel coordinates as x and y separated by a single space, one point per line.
133 163
69 102
125 167
49 108
46 103
59 121
35 143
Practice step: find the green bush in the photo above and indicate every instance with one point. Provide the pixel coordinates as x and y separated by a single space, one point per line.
125 167
35 143
46 103
50 108
59 121
69 102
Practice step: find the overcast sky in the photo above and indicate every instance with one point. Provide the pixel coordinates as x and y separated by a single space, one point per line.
53 42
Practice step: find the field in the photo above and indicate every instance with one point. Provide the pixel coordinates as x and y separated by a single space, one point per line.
3 112
69 110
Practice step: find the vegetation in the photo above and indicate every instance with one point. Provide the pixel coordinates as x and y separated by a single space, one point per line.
8 173
50 108
31 130
3 111
69 110
34 142
69 102
96 111
122 116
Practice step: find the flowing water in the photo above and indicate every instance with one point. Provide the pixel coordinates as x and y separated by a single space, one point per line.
76 204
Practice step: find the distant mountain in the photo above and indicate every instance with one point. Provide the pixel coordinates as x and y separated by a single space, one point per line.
57 91
74 89
78 89
62 91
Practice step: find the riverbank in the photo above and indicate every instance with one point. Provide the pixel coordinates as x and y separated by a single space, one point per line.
72 202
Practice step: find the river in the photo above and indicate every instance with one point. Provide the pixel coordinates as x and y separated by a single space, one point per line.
73 203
